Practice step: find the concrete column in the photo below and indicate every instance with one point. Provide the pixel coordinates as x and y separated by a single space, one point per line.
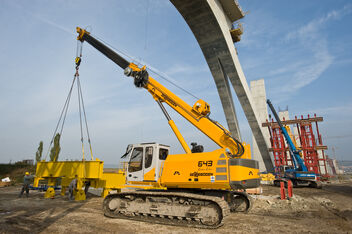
328 166
322 168
284 115
223 86
210 22
259 99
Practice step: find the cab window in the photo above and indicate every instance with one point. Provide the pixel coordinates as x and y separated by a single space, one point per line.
135 163
148 157
163 153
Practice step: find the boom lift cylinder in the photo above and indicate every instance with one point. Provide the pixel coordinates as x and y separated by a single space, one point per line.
175 129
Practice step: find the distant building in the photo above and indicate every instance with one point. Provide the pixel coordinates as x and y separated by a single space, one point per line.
28 161
330 166
337 168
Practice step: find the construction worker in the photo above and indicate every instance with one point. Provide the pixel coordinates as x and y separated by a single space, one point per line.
86 187
26 182
71 188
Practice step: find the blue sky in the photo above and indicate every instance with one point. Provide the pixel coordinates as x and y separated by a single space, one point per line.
301 48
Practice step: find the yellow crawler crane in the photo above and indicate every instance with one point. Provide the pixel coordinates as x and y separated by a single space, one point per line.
196 189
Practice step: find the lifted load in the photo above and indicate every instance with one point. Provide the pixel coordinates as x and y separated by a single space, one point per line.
86 172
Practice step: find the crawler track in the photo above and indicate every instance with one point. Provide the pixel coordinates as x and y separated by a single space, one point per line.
241 202
180 209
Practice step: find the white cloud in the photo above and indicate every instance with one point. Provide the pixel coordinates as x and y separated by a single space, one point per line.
43 19
310 29
315 57
346 109
185 69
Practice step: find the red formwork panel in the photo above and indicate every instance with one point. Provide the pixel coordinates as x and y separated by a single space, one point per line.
308 142
308 145
278 144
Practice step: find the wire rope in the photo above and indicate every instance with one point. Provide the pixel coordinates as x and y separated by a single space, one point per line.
150 68
80 116
63 113
85 118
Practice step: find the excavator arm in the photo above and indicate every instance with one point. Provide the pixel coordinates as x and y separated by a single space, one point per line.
198 114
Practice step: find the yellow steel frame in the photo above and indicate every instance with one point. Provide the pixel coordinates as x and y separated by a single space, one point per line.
83 171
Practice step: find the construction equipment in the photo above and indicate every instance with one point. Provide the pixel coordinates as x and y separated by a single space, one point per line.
298 173
309 144
193 189
86 172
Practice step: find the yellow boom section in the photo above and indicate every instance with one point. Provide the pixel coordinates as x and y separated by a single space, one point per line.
197 115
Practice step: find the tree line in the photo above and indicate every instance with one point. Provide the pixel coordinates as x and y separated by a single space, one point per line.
54 151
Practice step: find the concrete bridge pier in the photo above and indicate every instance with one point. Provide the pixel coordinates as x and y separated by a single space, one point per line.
211 22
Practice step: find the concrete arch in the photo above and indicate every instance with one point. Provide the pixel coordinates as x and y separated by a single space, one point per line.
210 22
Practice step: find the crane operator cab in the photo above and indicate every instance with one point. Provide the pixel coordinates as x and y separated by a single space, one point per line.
150 164
145 162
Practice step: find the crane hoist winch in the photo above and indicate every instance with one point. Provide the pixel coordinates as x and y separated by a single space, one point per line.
197 188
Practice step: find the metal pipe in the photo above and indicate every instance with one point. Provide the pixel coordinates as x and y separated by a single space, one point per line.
112 55
175 129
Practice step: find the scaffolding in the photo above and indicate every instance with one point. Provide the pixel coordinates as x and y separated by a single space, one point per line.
307 139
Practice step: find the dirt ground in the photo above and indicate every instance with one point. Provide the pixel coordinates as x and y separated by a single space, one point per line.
328 210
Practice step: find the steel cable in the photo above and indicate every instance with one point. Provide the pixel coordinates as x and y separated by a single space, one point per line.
63 113
150 68
85 118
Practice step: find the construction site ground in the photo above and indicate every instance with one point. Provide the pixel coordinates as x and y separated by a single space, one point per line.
327 210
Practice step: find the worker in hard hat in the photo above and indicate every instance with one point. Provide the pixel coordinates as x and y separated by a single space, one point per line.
26 182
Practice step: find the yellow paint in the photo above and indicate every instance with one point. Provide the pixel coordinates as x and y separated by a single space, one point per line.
63 190
239 173
288 129
81 33
91 171
87 169
105 192
201 107
79 195
179 137
247 151
150 175
267 177
50 193
144 185
111 180
196 115
236 33
195 170
183 171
